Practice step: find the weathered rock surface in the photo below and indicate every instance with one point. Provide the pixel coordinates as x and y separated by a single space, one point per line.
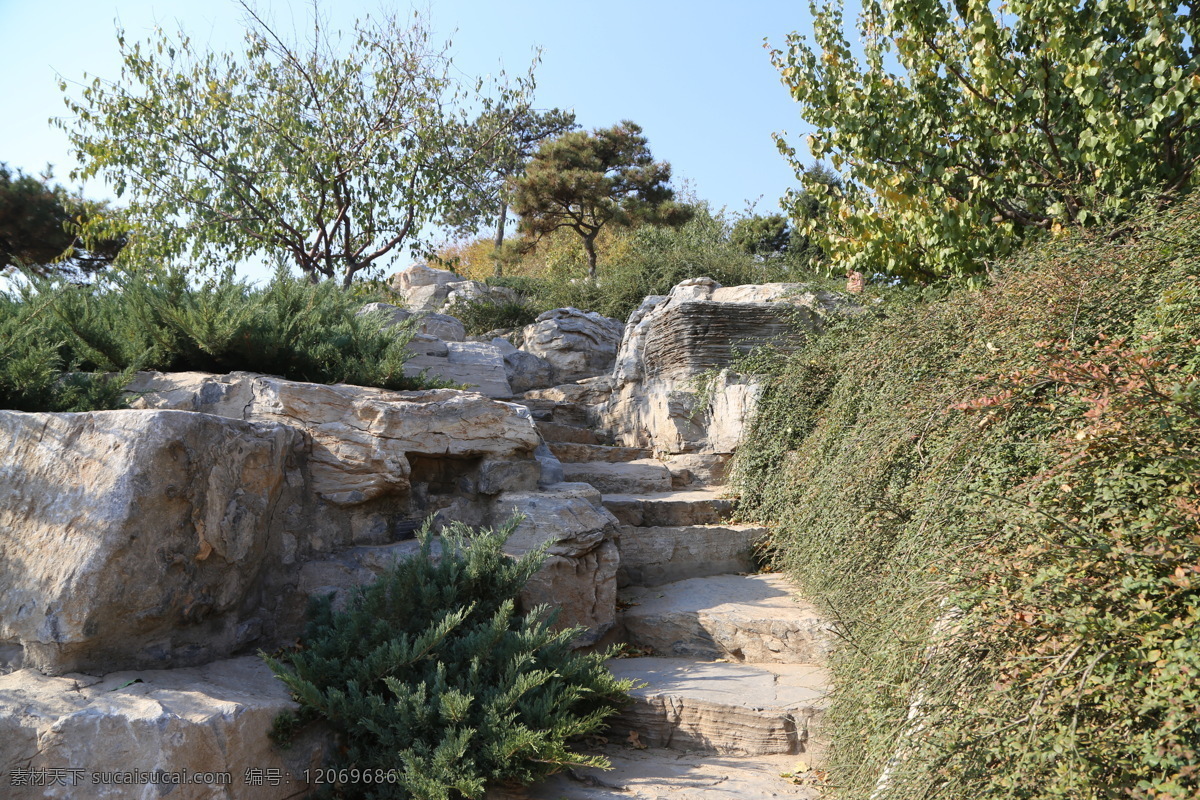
425 290
557 432
754 618
697 330
657 774
580 575
661 555
132 538
361 438
440 326
418 275
478 366
577 344
720 707
667 509
697 469
630 477
584 453
587 392
81 737
525 371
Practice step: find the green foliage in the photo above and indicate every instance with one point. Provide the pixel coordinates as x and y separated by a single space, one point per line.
41 228
644 260
485 314
762 236
32 375
331 156
584 181
432 673
966 125
55 331
510 141
994 494
772 236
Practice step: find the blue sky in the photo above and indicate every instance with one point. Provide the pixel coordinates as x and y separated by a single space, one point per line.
694 74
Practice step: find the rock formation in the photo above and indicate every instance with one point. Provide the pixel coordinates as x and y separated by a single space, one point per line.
577 344
144 554
672 393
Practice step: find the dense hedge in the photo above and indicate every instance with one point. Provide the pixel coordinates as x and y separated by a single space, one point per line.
995 494
71 347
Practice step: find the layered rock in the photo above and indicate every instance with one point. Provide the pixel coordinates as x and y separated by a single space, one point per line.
577 344
159 537
363 440
131 538
672 391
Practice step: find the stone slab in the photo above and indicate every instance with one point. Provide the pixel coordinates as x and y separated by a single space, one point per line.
644 475
582 453
681 507
754 618
720 707
557 432
211 719
661 555
654 774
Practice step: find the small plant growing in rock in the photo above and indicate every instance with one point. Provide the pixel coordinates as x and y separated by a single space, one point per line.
432 678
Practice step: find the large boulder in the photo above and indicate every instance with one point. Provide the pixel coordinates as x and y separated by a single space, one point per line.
478 366
440 326
579 578
426 290
131 538
419 275
672 389
525 371
192 734
577 344
362 439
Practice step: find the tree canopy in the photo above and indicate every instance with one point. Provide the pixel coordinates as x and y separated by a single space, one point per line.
505 157
967 124
584 181
333 157
41 228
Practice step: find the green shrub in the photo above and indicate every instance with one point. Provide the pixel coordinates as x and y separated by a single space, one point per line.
431 673
53 333
482 315
31 369
993 493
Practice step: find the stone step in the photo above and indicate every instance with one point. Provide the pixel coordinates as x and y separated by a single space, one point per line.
643 475
682 507
568 452
721 707
754 618
658 555
654 773
556 432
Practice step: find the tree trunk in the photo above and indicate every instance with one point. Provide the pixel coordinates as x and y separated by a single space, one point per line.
589 246
500 235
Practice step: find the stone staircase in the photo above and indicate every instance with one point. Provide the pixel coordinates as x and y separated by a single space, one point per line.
733 689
